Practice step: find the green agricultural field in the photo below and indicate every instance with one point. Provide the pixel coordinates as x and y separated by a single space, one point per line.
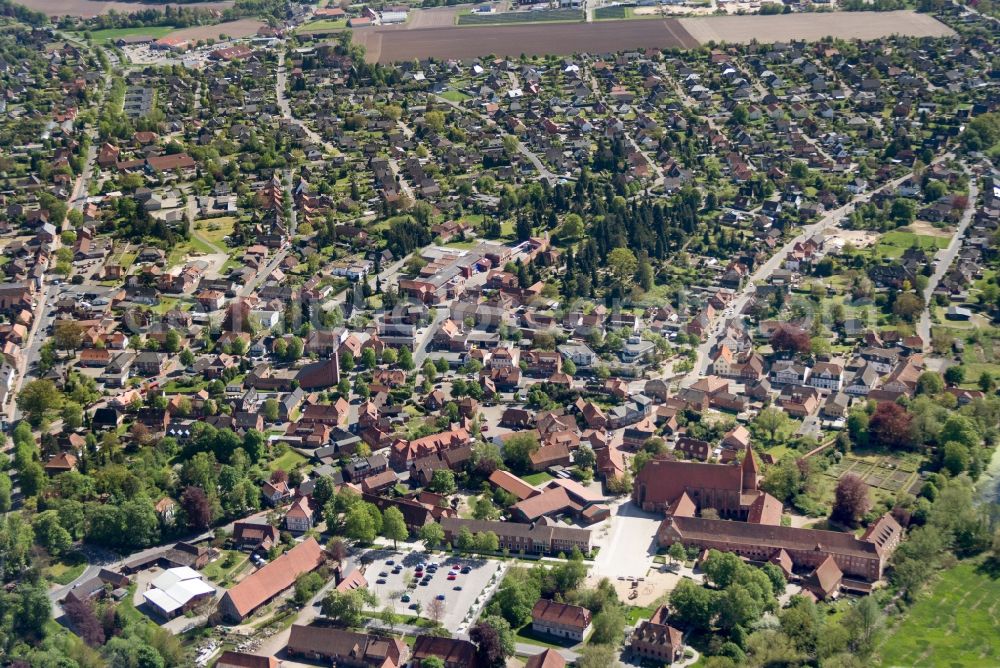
955 623
111 34
893 244
542 16
610 13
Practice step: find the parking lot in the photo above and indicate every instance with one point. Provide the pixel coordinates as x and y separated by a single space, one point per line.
403 589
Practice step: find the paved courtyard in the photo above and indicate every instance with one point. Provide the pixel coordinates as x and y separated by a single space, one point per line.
628 546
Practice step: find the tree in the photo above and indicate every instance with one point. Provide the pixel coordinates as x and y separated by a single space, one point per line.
359 524
16 540
67 335
486 541
486 458
5 491
863 622
435 609
584 457
393 525
955 457
986 382
609 624
908 307
721 568
771 647
346 361
851 500
80 612
50 534
693 604
677 553
431 662
405 359
598 656
323 491
348 607
72 416
793 339
518 449
432 534
337 549
572 227
515 599
443 482
771 421
38 397
485 509
494 641
306 586
889 426
955 375
197 507
368 360
784 480
930 383
622 263
270 409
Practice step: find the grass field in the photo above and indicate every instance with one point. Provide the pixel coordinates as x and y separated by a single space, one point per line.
620 12
454 96
220 570
111 34
893 244
955 623
502 18
322 25
67 569
287 461
214 229
539 478
610 13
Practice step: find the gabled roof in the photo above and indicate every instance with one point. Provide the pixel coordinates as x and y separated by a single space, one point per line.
275 577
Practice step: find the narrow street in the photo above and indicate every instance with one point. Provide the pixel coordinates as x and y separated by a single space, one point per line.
944 258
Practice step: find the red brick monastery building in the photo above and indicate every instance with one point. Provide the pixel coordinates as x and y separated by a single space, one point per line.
750 523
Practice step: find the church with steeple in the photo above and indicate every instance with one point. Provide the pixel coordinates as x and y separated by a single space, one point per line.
687 488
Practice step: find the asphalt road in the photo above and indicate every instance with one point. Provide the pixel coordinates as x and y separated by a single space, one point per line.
944 259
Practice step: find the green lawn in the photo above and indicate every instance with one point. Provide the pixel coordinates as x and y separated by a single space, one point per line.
454 96
111 34
893 244
634 614
67 569
225 566
322 25
526 635
214 229
287 461
955 623
536 479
